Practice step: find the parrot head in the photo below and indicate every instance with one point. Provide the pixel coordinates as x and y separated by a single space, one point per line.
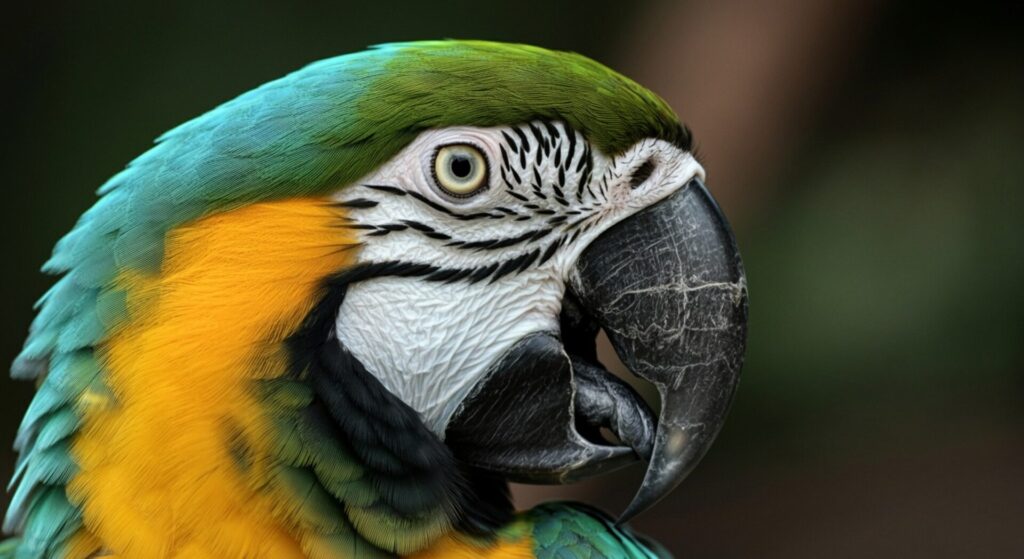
491 256
350 305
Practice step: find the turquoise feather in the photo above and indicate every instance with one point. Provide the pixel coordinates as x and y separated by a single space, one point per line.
575 531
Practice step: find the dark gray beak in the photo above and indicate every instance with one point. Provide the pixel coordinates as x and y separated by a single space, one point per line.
667 286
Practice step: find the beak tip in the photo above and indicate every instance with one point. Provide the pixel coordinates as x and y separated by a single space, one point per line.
681 449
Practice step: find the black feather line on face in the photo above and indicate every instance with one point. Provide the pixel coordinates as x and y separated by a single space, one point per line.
548 253
529 236
538 184
385 188
511 143
552 131
525 142
357 204
517 264
537 135
504 156
571 135
429 272
518 196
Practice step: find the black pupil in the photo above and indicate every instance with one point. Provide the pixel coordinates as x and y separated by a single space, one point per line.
461 166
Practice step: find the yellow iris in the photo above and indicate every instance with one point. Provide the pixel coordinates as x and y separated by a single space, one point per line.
460 170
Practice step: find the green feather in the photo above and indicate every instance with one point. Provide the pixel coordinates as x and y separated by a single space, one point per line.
342 544
8 548
309 503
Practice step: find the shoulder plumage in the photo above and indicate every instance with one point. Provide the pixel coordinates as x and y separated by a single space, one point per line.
577 531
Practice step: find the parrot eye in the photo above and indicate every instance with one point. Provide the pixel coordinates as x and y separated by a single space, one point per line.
460 170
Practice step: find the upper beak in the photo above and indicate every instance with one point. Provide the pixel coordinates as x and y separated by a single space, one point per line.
667 286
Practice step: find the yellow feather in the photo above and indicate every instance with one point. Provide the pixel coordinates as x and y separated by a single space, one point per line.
157 475
518 546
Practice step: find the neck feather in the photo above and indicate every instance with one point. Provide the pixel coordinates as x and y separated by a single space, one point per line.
158 448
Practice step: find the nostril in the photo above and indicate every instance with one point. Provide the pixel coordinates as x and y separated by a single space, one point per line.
641 174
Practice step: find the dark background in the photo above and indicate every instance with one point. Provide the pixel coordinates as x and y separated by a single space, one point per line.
869 154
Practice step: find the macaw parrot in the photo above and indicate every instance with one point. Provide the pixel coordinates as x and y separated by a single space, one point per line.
337 315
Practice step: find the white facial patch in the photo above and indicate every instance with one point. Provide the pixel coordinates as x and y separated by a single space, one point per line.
460 279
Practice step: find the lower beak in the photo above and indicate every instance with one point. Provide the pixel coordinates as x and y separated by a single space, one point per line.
668 287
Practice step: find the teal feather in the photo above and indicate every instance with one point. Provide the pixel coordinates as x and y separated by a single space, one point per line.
47 399
69 375
575 531
45 463
57 427
51 466
111 307
72 372
51 521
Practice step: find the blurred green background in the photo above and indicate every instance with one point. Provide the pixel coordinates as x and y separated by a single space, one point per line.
869 154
